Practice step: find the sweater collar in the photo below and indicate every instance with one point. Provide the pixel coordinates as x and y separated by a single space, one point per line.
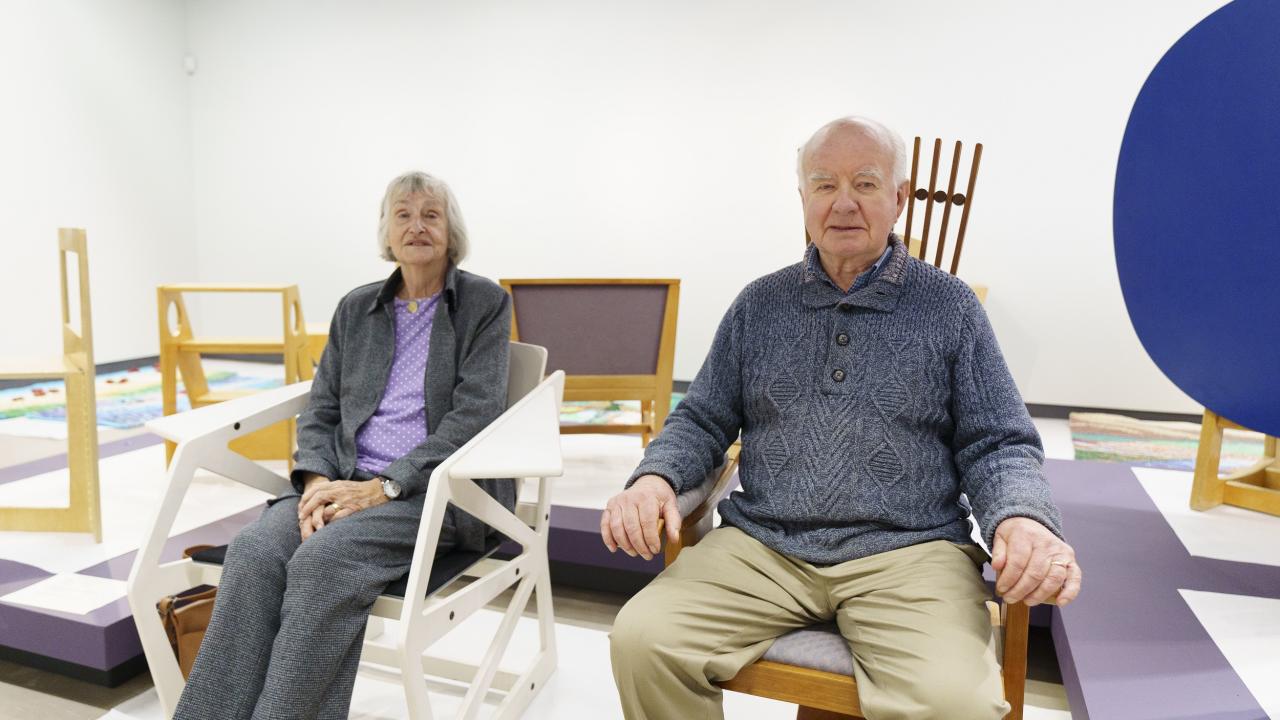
391 286
882 293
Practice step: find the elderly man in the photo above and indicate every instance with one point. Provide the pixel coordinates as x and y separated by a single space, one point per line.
870 394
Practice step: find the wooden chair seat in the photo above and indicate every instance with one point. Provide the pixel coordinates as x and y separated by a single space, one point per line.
217 396
36 368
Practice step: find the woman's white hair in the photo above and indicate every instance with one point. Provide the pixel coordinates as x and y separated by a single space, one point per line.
887 138
420 182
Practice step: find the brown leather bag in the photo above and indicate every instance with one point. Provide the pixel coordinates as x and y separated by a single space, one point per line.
185 617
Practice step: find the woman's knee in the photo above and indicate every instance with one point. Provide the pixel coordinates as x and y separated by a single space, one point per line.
260 548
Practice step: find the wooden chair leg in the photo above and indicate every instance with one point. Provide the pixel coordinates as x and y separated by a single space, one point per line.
808 713
1207 489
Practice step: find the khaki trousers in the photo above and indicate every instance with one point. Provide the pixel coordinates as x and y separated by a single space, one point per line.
914 618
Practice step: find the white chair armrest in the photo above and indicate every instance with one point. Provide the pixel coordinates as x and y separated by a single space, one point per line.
240 416
522 442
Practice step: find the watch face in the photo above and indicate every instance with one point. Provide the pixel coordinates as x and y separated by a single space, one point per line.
391 489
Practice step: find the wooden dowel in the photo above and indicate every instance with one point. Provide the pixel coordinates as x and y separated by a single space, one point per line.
911 191
946 205
928 201
968 205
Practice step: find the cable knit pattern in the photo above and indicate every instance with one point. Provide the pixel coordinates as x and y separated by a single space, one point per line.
864 416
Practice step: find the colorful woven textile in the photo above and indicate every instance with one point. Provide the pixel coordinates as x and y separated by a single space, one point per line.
129 398
1159 444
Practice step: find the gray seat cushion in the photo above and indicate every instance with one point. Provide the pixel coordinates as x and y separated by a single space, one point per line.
818 647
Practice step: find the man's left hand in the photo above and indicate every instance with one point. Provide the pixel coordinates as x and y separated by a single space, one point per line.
340 498
1032 564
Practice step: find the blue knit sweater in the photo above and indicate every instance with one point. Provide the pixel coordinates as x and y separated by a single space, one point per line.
864 416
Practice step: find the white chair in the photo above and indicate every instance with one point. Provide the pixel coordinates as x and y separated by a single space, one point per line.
523 443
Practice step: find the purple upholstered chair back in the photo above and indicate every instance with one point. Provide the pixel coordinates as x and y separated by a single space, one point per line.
593 328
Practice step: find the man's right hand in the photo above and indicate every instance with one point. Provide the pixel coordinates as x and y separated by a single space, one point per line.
630 520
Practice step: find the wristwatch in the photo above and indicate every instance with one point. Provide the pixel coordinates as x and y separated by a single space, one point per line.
390 488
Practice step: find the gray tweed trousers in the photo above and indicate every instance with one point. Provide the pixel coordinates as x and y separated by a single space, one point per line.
288 624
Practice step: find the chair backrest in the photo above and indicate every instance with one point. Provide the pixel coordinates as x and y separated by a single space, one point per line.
599 326
76 342
527 366
935 194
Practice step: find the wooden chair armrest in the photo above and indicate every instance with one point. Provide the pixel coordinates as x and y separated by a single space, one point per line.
696 506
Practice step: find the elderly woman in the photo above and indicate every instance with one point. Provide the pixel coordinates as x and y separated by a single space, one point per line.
415 366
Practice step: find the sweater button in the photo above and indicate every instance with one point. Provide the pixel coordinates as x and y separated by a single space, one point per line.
842 339
837 375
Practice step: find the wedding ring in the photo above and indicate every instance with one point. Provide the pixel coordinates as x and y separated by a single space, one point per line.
336 506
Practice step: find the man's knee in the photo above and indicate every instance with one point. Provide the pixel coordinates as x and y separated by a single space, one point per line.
642 628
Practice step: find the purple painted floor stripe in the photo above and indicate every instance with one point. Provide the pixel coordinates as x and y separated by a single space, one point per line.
106 637
59 462
1133 645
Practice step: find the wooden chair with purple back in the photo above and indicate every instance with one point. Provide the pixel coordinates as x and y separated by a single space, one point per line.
615 339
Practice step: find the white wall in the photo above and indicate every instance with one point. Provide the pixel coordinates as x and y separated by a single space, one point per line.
94 133
657 139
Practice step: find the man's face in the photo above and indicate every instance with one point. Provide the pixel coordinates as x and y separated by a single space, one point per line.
850 202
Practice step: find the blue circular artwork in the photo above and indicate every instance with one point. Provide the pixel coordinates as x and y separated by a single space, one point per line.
1197 228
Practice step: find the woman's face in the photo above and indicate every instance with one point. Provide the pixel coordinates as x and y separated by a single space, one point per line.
418 232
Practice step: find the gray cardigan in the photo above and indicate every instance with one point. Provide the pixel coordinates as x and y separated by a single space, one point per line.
864 416
465 385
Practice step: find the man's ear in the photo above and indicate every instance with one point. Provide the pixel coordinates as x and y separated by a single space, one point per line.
903 193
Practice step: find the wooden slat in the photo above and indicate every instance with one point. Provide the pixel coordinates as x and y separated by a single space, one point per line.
642 386
225 288
968 205
509 282
229 345
802 686
928 201
1252 497
911 189
585 429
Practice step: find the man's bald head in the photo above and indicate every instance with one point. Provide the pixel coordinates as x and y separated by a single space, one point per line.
891 142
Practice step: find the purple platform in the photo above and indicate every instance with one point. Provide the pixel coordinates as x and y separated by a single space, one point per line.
1129 646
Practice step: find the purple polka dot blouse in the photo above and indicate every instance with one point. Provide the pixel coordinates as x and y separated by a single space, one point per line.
400 422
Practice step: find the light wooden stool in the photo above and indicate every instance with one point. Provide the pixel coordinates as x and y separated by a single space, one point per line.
1254 488
75 367
181 350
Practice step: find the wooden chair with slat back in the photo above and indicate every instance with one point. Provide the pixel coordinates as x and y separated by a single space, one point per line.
934 194
614 338
75 367
820 693
299 343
